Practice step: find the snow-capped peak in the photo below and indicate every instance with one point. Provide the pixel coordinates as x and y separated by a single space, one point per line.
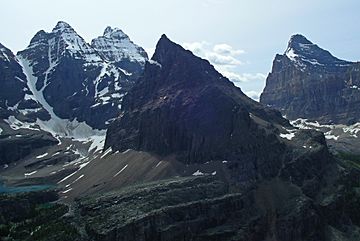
63 40
305 53
115 46
115 33
62 26
297 39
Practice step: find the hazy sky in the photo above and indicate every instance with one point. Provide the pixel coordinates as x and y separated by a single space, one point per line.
239 37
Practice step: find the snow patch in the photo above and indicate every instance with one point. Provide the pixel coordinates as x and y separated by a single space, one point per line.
106 152
154 63
68 190
29 173
198 173
67 177
121 170
41 156
158 164
289 135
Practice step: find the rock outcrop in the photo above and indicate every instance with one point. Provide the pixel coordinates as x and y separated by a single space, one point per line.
308 82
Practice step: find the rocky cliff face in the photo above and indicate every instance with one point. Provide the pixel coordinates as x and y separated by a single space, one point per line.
308 82
74 80
15 96
182 106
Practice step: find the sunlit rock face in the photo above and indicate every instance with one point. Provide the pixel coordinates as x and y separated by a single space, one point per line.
76 80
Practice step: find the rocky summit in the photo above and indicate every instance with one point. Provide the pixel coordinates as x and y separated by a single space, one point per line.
75 80
182 106
117 48
183 109
308 82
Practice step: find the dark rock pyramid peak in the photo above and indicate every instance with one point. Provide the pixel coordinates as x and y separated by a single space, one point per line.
172 56
168 50
183 107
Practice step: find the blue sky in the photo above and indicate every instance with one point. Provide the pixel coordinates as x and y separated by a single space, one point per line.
240 37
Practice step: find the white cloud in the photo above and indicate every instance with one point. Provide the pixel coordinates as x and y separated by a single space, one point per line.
150 52
225 58
246 77
227 50
253 94
219 59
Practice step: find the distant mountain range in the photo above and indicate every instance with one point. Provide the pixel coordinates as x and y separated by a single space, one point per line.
63 77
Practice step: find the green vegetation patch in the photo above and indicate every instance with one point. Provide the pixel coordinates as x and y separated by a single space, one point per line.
34 216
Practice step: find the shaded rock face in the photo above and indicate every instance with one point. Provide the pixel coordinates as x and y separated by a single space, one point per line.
182 106
12 79
13 148
75 80
308 82
14 92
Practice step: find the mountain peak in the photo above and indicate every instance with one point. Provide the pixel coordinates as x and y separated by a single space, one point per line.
61 26
298 44
165 48
304 53
114 33
164 40
297 39
164 37
116 47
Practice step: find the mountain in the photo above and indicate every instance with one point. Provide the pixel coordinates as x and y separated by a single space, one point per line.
182 106
308 82
58 95
18 103
183 109
188 156
117 48
76 81
261 178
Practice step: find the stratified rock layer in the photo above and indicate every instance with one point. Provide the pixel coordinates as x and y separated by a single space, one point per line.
308 82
